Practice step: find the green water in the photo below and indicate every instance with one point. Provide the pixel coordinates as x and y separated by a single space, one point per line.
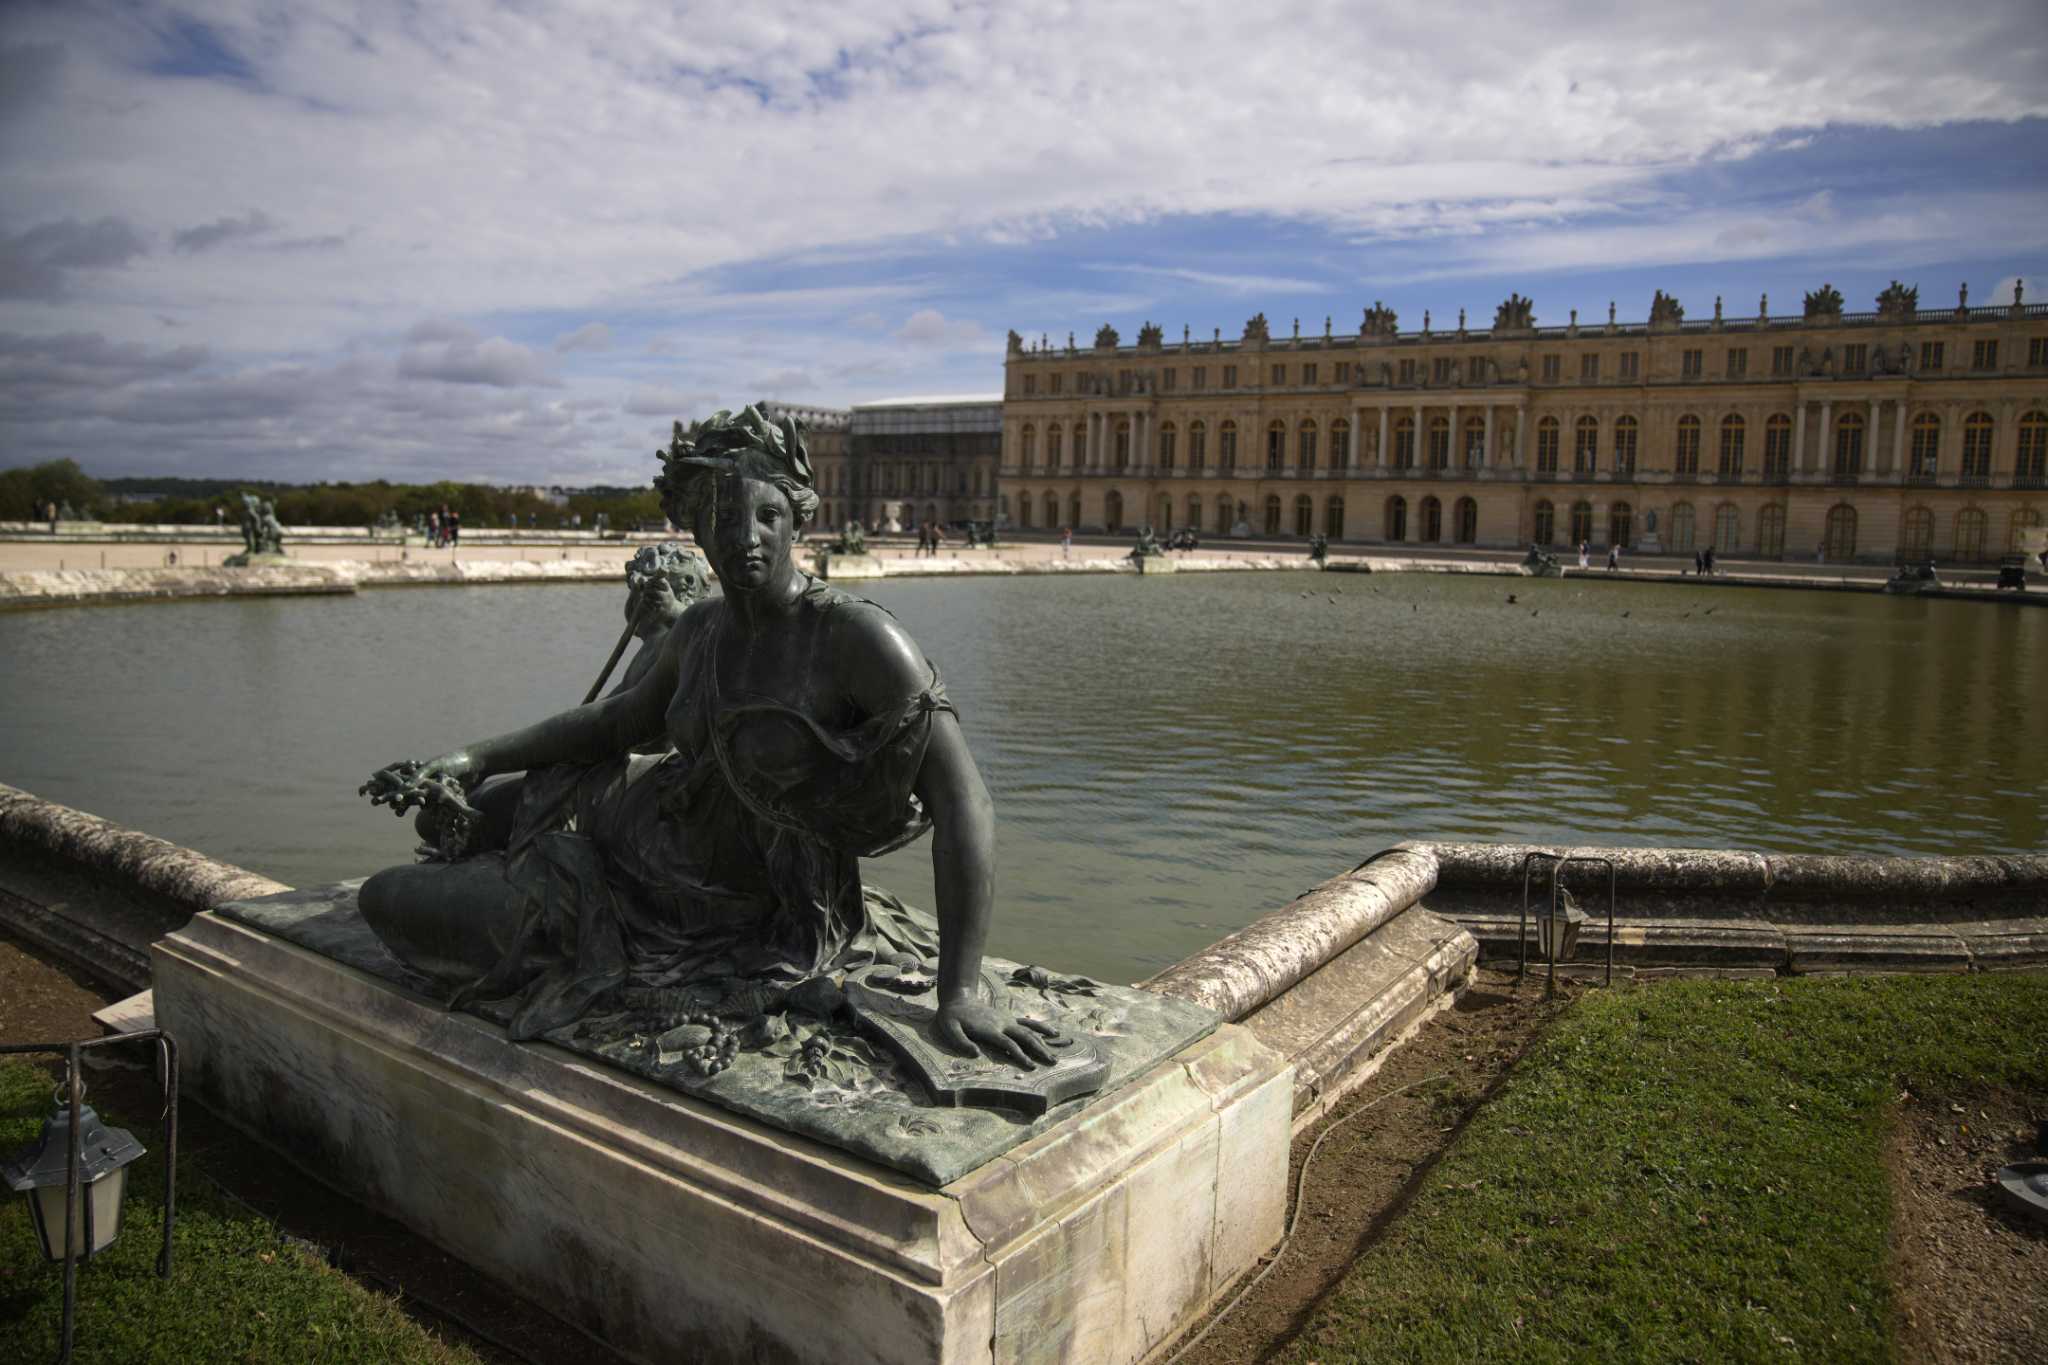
1170 757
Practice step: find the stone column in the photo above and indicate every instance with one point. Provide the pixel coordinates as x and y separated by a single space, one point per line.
1380 455
1357 435
1870 442
1799 460
1486 450
1827 406
1456 454
1521 435
1899 439
1419 451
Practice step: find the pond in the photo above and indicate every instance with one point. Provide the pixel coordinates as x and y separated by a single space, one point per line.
1170 757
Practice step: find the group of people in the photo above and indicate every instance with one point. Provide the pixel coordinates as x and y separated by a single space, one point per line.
444 527
929 537
1703 561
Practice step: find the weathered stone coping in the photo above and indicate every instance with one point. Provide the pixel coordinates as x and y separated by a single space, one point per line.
1250 968
77 587
155 865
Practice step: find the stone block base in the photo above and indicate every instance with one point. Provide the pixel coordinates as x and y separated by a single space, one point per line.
1156 564
676 1231
833 568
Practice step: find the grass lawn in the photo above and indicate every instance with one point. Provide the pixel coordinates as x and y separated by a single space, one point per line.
1686 1172
237 1292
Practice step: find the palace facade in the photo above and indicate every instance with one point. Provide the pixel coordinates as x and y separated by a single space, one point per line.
912 461
1902 432
825 438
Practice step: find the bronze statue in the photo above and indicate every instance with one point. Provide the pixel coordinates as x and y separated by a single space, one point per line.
807 730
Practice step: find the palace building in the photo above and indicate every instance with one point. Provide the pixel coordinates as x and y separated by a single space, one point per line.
912 461
1902 432
825 432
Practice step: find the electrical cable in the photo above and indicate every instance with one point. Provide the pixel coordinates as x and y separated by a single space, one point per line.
1294 1221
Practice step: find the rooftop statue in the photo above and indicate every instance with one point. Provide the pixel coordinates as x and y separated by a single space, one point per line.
798 730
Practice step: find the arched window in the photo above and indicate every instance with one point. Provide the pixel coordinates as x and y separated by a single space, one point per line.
1194 513
1276 445
1394 520
1621 521
1926 465
1052 449
1733 433
1685 461
1432 528
1777 448
1849 448
1272 514
1465 521
2031 469
1304 516
1625 432
1404 443
1727 529
1977 448
1970 535
1916 533
1123 445
1023 509
1305 447
1224 507
1474 445
2024 519
1545 529
1770 531
1198 448
1112 511
1439 443
1546 446
1333 518
1582 522
1683 531
1027 445
1052 511
1165 512
1340 445
1585 446
1838 542
1226 452
1074 510
1166 440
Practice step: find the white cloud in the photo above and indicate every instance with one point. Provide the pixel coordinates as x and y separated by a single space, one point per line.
591 336
929 327
452 354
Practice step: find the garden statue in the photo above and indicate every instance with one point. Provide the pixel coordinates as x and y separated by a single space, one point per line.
795 730
852 540
1319 548
1148 544
262 534
1538 564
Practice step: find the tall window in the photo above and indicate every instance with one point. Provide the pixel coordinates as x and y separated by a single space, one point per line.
1856 358
1849 445
1926 466
1738 362
1544 529
1546 446
1123 445
1431 529
1683 530
1930 358
1977 448
1838 543
1198 448
1727 529
1692 363
1404 443
1230 376
1621 521
2032 469
1625 433
1552 367
1586 446
1440 370
1308 373
1225 514
1304 516
1984 355
1970 534
1052 447
1166 440
1340 445
1333 518
1113 511
1781 361
1305 446
1630 364
1770 531
1394 519
1080 446
1589 368
1024 510
1279 374
1582 522
1685 462
1273 514
1056 381
1778 447
1465 521
1201 382
1052 510
1916 533
1194 513
1027 443
1475 443
1165 511
1439 443
1226 451
1168 378
1276 446
1733 432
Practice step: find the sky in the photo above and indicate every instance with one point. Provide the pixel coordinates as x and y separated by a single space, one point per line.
511 242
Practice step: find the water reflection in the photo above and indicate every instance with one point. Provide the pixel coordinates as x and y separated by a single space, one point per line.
1170 756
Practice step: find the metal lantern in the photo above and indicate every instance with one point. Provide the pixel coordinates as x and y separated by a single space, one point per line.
41 1170
1557 930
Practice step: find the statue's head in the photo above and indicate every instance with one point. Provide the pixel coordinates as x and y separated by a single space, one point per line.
661 583
743 486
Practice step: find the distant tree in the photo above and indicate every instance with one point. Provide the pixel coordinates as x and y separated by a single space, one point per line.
26 493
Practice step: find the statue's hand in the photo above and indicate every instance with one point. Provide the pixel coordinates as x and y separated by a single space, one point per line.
968 1026
409 782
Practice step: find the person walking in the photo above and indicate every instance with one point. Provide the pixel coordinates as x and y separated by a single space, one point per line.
454 528
1699 563
1585 559
1613 558
1710 560
433 530
1066 539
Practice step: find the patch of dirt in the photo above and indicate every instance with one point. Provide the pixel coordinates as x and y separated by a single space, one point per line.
1970 1273
42 1000
1370 1168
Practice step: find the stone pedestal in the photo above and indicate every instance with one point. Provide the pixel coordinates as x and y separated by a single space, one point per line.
1156 564
833 568
1649 544
675 1230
